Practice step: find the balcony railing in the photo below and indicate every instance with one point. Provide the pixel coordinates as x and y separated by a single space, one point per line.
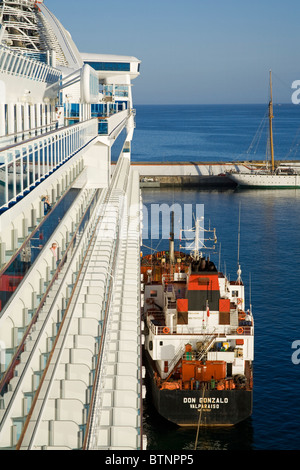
24 166
9 140
108 125
14 63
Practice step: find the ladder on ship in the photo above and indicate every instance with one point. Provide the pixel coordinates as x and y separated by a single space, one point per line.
181 351
206 347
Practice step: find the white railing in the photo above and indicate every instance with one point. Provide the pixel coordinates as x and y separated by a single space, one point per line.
115 121
185 330
25 165
29 3
227 330
15 63
13 139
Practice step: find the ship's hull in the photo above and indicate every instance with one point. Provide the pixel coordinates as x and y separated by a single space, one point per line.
197 408
250 180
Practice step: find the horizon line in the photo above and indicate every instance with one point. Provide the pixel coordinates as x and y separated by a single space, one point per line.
214 104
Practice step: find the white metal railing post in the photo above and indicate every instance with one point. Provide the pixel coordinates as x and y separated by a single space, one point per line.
2 119
21 171
6 178
14 62
43 157
28 169
33 163
49 154
40 150
54 151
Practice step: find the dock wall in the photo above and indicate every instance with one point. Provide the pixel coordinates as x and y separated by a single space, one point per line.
185 174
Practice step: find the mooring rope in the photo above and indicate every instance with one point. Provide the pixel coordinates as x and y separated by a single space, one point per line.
199 421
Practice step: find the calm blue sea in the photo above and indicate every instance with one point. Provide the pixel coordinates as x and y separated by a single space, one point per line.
269 252
214 133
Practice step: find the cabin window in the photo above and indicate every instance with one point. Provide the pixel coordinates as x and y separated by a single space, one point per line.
110 66
153 293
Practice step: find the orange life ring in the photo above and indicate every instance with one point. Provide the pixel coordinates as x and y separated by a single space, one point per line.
240 330
239 301
166 330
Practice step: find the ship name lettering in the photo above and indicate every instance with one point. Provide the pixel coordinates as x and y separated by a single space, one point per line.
189 400
213 400
206 402
205 406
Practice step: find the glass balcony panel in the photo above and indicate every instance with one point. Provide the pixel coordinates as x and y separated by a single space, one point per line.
103 127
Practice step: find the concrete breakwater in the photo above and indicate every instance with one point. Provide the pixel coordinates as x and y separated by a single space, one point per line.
186 174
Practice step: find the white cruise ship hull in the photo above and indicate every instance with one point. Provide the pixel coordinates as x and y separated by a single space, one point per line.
266 180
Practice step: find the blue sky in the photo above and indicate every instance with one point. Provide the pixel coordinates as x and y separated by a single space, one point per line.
194 51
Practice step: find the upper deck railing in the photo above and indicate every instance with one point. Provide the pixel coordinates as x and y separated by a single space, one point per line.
17 64
159 327
23 166
27 2
110 124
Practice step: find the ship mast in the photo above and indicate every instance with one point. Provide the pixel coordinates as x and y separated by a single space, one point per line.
199 242
270 123
171 242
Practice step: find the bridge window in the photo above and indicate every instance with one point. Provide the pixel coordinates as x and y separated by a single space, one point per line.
110 66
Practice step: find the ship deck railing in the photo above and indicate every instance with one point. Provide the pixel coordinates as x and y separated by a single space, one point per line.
108 122
227 383
157 325
9 140
25 165
19 65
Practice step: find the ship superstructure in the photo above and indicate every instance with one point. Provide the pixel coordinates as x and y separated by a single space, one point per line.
199 345
69 243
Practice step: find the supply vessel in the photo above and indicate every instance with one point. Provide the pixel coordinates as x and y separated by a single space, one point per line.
199 336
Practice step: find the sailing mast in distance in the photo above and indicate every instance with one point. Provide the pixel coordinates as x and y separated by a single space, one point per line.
271 116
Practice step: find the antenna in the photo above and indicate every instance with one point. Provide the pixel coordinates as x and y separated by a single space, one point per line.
199 242
239 271
171 242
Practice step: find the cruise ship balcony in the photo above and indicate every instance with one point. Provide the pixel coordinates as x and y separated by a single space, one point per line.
23 66
112 124
24 166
